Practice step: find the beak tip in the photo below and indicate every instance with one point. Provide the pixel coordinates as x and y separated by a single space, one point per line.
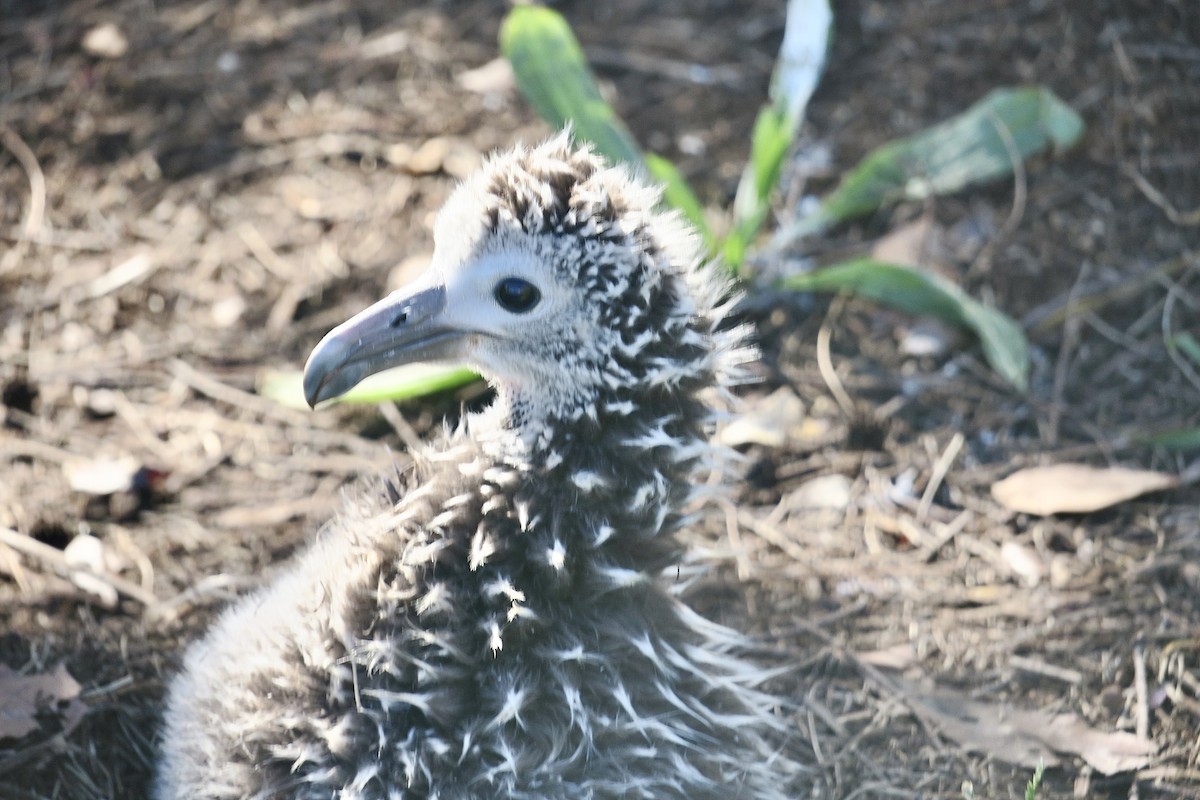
312 398
322 372
313 384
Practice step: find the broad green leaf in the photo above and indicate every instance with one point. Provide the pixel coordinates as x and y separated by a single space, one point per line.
733 251
797 71
678 195
1004 344
1186 344
769 145
806 34
982 143
1178 439
399 383
553 74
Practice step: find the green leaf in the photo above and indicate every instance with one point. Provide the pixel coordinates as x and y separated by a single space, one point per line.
677 194
769 145
1187 344
1178 439
399 383
1004 344
1031 788
807 30
797 71
984 142
553 74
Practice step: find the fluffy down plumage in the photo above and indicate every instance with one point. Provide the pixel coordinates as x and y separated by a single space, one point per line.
503 624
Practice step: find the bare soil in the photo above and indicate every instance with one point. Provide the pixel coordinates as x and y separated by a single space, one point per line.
181 216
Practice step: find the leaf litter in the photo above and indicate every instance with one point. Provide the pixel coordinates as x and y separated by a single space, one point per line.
1027 737
28 701
1076 488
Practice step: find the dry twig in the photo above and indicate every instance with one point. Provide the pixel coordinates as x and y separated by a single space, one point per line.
35 216
57 560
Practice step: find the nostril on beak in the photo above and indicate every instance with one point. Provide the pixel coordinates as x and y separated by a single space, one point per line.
400 318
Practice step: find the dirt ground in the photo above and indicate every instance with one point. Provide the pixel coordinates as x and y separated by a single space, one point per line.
181 215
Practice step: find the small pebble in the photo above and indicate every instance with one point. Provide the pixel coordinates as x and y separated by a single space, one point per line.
105 41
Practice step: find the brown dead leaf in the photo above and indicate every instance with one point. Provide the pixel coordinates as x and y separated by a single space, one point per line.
908 244
980 727
1076 488
23 696
1027 736
1108 752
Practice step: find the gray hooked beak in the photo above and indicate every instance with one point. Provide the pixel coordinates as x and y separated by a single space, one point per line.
404 327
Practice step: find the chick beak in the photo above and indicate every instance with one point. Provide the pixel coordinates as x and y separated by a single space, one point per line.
407 326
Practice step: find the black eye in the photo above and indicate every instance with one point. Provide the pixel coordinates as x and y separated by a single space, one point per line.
516 295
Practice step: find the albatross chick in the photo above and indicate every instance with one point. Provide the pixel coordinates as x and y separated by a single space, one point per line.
503 626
